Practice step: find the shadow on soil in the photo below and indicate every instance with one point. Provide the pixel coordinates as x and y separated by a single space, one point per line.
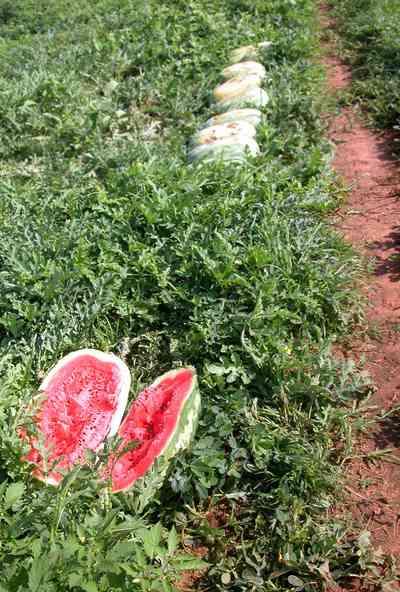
389 434
388 266
388 147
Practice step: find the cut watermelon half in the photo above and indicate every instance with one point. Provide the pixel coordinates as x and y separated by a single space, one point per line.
161 421
85 396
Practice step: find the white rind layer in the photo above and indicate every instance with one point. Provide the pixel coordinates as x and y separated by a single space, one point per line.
124 385
193 385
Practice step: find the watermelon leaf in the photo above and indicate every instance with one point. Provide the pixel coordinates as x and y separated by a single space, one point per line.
13 494
186 562
38 574
151 540
140 556
89 586
172 540
121 550
74 579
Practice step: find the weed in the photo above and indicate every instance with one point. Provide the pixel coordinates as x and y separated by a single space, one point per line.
368 36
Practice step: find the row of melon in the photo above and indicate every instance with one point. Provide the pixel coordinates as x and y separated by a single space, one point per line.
83 398
230 134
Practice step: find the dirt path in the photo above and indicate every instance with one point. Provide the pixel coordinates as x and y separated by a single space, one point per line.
370 220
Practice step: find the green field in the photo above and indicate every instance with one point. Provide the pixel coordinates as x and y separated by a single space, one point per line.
370 42
110 239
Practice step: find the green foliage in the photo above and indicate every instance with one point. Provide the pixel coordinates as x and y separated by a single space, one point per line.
370 40
111 239
92 547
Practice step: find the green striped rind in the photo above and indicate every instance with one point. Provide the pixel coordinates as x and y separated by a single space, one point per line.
187 424
143 490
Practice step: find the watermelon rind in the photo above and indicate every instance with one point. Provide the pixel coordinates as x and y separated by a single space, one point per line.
248 68
248 51
181 436
229 150
233 129
236 86
252 116
252 97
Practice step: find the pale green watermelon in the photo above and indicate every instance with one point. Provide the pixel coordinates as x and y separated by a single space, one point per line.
215 133
236 86
252 97
244 69
248 51
252 116
229 150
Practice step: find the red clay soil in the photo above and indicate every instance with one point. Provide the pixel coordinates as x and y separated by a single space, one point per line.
370 220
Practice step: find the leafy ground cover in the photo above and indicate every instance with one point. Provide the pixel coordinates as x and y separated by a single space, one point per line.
110 239
369 34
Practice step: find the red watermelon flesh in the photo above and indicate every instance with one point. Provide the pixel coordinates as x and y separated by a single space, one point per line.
151 422
85 397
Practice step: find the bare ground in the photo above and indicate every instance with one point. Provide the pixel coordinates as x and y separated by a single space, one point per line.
370 220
